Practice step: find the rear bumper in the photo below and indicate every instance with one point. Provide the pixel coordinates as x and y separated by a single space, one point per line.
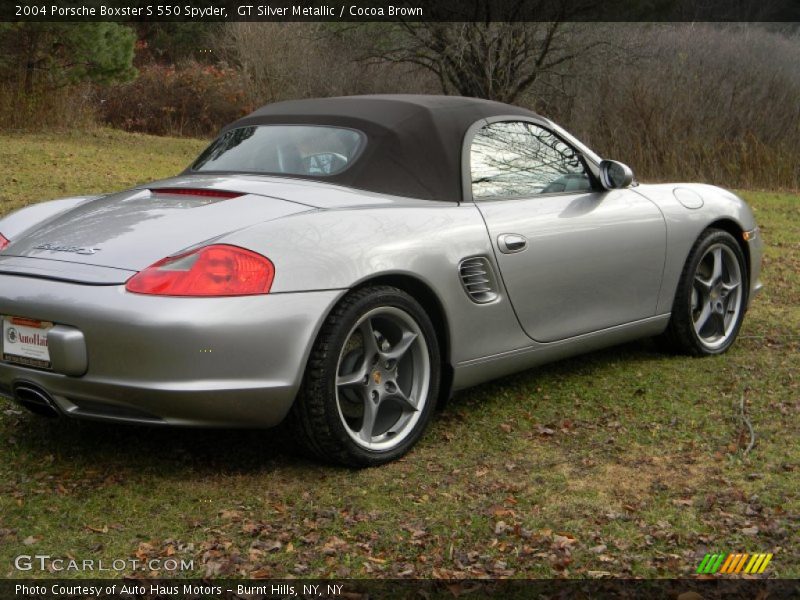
229 362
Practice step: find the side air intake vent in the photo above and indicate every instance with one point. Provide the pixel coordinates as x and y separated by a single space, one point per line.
478 279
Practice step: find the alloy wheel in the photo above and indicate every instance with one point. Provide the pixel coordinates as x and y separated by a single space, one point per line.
716 299
383 376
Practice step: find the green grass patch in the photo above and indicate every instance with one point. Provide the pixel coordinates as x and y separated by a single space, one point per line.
43 166
625 462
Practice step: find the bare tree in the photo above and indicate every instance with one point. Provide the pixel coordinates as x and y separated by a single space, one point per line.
500 61
300 60
490 49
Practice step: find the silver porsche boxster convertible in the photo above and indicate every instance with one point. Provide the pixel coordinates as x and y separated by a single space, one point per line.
345 263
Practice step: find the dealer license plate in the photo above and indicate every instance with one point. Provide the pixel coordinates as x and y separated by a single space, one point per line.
25 342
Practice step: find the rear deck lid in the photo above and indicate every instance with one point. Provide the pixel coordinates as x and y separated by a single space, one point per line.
129 231
63 271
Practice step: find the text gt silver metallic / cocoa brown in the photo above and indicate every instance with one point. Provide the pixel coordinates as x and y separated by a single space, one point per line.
346 262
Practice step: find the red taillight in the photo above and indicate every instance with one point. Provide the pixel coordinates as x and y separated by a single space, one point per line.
3 242
196 192
218 270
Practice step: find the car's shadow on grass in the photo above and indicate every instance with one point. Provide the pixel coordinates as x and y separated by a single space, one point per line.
187 453
168 451
577 368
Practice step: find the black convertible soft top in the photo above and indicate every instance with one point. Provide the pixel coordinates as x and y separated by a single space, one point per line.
414 142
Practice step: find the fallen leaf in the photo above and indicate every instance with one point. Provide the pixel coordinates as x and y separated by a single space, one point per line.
262 573
561 541
750 530
271 545
143 551
103 529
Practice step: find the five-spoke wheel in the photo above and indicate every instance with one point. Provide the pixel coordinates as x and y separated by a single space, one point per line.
372 381
716 295
711 296
383 377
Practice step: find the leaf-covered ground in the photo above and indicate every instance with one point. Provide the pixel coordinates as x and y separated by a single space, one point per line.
623 462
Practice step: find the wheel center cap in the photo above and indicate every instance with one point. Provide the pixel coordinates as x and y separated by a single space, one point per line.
376 377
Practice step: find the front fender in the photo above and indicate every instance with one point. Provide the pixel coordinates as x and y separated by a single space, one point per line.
686 217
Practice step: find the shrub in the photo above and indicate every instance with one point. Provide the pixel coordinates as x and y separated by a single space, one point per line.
285 61
190 100
63 108
712 103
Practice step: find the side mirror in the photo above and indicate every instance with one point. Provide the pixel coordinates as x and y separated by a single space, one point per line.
615 175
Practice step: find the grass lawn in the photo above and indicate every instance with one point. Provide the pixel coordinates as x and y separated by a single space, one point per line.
624 462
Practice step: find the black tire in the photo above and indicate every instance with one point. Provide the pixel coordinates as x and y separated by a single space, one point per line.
681 335
322 428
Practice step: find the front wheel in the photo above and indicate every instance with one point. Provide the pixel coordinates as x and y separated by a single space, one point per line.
372 379
711 297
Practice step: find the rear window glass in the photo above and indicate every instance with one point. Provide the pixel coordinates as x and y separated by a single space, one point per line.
305 150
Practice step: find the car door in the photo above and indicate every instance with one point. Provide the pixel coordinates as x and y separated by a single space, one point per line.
574 258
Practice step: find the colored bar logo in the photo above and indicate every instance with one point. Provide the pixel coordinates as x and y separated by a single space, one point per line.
734 563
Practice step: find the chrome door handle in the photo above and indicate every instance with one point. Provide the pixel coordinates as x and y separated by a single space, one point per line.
509 243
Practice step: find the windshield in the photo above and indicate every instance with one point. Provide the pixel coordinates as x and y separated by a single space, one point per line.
305 150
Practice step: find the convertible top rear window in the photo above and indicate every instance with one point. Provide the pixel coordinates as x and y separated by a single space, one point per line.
300 150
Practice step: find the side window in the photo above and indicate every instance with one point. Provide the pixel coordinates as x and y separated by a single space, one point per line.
514 159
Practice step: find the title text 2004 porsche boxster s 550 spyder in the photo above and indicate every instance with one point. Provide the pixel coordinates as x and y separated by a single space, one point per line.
346 262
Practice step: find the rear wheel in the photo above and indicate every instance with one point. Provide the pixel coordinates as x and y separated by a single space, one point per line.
372 379
711 298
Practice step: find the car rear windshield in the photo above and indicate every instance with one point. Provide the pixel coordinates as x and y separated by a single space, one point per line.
303 150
